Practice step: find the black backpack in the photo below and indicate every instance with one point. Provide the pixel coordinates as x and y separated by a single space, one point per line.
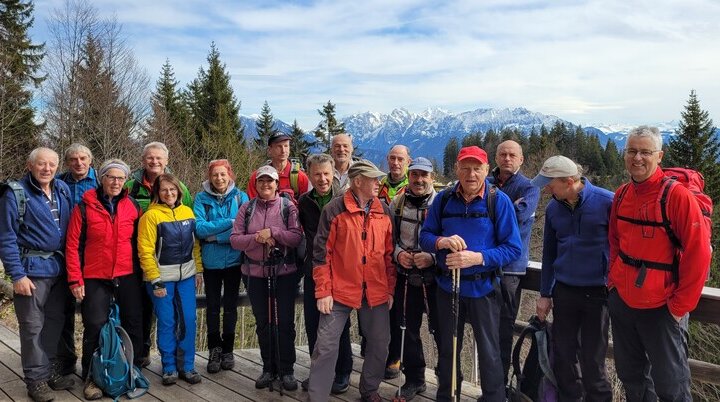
535 380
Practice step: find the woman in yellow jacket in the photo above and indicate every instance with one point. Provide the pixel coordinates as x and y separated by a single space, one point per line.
171 263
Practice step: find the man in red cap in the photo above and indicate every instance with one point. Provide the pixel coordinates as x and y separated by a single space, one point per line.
472 228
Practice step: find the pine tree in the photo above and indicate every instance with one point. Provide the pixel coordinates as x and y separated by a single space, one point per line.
299 146
19 62
328 127
450 157
265 127
697 146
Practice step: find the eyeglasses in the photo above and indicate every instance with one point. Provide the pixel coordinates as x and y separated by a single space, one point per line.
644 153
115 178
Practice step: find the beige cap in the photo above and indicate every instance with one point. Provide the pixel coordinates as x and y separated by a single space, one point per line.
365 168
555 166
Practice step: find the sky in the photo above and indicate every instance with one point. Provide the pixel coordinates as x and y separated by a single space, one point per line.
589 62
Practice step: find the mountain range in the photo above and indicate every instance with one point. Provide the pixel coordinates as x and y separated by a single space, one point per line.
427 132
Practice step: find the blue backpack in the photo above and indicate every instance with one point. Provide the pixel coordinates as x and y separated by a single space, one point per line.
111 366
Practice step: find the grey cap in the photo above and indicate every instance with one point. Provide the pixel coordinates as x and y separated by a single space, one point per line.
421 163
554 167
365 168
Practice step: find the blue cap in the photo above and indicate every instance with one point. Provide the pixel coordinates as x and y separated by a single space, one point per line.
421 163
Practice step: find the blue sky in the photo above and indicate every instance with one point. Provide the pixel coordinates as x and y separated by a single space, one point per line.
610 61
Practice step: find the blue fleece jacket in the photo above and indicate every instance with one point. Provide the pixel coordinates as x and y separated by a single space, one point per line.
575 242
79 187
499 243
524 197
39 232
214 217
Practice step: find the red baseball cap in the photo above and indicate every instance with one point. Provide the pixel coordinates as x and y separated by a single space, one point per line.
473 152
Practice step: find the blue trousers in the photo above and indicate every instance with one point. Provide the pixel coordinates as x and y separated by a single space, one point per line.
176 325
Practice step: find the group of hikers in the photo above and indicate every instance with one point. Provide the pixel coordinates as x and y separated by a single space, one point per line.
384 244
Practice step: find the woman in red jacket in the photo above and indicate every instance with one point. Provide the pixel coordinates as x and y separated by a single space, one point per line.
101 256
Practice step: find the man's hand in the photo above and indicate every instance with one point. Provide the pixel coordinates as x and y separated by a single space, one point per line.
463 259
23 287
423 260
390 302
405 259
325 304
453 243
78 293
542 307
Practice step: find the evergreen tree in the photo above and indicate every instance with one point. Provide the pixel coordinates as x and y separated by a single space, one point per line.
19 62
328 127
613 160
450 157
299 146
473 139
490 142
697 146
265 127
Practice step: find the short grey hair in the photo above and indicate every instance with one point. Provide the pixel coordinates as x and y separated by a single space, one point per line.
405 147
319 159
35 153
647 131
156 145
77 148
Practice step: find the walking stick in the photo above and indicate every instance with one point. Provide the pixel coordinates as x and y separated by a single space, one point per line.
273 321
455 313
403 327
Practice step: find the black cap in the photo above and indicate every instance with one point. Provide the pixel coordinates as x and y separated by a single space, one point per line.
278 136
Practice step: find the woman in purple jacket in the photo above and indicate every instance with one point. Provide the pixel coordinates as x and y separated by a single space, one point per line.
267 229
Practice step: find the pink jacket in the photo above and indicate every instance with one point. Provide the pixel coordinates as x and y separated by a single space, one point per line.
267 214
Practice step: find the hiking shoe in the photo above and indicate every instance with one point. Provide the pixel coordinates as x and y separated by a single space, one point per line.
190 377
289 382
227 361
169 378
374 397
91 391
264 380
40 392
59 383
340 385
213 365
409 390
392 370
305 384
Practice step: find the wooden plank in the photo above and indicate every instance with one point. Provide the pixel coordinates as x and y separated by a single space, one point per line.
16 389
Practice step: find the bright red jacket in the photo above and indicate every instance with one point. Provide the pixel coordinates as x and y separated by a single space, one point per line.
109 248
651 243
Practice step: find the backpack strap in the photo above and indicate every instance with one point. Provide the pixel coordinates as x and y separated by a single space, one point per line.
517 370
399 207
135 189
20 200
543 342
667 184
294 174
249 212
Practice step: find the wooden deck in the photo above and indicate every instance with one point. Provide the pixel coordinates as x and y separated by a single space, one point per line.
235 385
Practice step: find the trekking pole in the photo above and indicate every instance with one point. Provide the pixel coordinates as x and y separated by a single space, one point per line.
455 313
403 327
268 264
276 324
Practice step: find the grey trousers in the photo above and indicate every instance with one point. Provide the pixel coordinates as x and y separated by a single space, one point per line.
41 318
375 322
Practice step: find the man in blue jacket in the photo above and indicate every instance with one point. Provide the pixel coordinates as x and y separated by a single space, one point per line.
573 279
524 196
31 250
468 235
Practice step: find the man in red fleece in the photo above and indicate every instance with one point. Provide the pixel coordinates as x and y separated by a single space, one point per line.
653 285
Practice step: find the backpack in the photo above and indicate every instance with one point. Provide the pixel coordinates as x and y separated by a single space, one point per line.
21 198
293 255
693 181
535 380
111 366
295 168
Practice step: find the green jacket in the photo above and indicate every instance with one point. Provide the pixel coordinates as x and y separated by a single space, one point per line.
143 195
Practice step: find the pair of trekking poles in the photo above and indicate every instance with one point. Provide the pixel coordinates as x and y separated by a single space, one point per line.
275 257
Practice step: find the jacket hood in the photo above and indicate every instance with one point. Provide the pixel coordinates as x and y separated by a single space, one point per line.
208 188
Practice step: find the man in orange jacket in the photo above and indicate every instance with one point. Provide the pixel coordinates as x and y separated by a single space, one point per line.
353 270
653 285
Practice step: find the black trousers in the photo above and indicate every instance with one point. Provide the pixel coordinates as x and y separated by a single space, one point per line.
275 361
651 352
147 309
511 293
95 306
413 306
222 287
483 314
66 354
343 366
580 342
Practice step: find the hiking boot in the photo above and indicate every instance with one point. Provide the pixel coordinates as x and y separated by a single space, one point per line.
264 380
91 391
392 370
305 384
59 383
409 390
374 397
340 385
213 365
169 378
190 377
40 392
289 382
227 361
